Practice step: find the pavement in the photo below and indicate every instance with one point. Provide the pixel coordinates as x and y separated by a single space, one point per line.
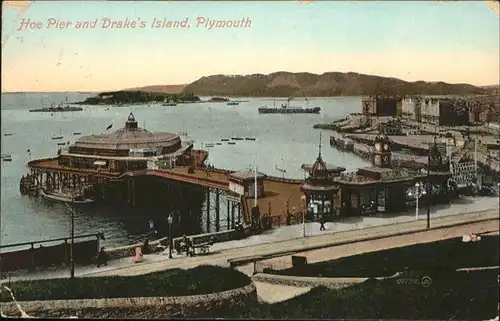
289 238
272 293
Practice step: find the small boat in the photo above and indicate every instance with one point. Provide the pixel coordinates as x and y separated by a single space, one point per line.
249 138
6 157
169 104
8 134
77 133
57 137
219 143
231 143
209 145
283 171
61 144
225 140
237 138
59 196
233 103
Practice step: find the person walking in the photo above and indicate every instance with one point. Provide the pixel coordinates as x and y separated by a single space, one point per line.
322 226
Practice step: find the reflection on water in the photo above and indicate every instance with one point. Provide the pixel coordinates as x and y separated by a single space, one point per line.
283 141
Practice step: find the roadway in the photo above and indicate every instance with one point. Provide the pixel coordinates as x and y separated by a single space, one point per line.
307 243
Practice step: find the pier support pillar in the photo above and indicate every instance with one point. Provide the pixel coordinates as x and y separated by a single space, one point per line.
239 213
217 210
228 217
232 215
208 210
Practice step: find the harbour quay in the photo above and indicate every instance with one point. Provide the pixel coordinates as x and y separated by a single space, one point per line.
458 126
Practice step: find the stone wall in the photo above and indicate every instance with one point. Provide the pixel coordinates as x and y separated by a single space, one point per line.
129 250
143 308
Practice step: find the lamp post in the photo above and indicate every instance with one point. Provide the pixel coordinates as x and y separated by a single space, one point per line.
72 262
171 243
418 193
304 199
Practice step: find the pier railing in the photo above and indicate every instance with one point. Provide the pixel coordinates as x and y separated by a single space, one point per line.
26 256
268 177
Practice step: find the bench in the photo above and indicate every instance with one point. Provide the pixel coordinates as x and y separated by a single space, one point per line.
201 249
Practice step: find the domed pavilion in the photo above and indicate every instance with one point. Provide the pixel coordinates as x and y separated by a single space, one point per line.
320 189
128 148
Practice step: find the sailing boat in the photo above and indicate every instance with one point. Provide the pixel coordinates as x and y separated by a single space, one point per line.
6 157
54 137
282 170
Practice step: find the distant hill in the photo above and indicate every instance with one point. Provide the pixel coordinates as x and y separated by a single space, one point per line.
287 84
160 89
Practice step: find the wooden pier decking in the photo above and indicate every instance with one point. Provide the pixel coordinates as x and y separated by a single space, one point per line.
280 197
278 191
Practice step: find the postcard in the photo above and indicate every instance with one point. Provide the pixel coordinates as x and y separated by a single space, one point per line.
250 159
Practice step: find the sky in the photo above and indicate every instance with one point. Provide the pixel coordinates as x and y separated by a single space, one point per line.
455 42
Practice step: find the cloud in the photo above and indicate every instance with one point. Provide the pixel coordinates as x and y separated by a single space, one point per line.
494 5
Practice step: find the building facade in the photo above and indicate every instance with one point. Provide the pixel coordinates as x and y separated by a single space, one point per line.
381 106
444 111
384 188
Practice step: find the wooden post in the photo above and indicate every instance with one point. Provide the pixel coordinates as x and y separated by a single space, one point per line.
217 210
208 210
228 203
232 216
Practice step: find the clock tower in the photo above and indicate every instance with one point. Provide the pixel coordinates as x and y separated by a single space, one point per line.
382 151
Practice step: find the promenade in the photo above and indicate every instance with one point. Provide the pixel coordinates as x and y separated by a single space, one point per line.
289 239
303 244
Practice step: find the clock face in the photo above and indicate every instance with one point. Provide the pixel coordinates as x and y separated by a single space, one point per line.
386 147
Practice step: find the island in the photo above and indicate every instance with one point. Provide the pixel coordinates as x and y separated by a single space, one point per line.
123 97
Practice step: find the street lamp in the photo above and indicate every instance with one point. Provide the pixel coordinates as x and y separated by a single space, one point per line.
72 262
304 199
171 244
419 192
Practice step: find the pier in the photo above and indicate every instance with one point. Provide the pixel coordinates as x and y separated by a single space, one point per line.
223 206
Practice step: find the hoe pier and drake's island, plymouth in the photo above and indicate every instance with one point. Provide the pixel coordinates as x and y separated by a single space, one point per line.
250 160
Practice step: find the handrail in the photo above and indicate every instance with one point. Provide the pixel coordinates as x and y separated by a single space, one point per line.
215 183
52 240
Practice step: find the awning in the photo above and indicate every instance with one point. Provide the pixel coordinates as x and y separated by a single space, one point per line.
99 163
